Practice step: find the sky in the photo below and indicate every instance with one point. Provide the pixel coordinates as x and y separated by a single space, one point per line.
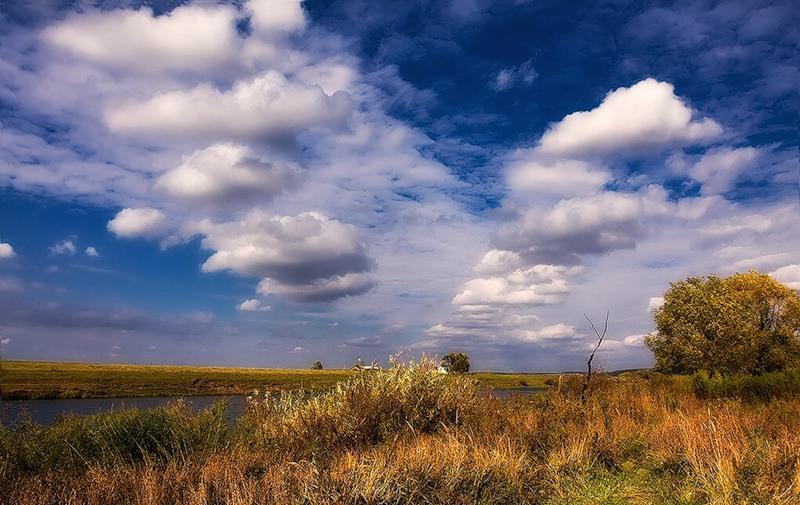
272 182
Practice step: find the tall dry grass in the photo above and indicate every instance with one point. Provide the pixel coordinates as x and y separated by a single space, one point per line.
412 436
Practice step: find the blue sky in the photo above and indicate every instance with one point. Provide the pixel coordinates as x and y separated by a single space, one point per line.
269 182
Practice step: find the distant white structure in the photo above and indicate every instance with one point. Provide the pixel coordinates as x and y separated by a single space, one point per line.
441 369
360 366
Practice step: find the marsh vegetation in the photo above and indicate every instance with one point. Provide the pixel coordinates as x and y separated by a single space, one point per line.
413 435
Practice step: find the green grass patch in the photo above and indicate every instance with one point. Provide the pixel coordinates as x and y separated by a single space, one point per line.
40 380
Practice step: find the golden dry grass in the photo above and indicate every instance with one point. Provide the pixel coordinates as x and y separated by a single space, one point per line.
410 436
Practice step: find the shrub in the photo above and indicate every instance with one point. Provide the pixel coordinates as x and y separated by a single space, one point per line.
748 387
365 410
115 437
317 365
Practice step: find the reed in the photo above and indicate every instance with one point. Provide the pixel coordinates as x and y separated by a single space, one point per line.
409 435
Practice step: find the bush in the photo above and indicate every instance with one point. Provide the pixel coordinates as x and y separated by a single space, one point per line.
748 387
365 410
115 437
317 365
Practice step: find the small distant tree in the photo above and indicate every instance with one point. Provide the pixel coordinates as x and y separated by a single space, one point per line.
744 323
456 362
317 365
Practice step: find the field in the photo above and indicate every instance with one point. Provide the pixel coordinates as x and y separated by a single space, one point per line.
410 435
37 380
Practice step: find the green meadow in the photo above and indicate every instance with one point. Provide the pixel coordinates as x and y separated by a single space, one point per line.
40 380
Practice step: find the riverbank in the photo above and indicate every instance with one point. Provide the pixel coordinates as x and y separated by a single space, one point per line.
410 435
26 380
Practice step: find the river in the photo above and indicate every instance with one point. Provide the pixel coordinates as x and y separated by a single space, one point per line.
47 411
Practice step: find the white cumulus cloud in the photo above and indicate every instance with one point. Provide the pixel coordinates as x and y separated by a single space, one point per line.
225 172
91 251
498 261
265 108
645 115
139 222
309 257
190 37
537 285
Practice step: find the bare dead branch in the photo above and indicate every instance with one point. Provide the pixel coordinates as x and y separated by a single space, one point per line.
600 337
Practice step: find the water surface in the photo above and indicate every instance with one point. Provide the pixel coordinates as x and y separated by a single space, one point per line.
48 411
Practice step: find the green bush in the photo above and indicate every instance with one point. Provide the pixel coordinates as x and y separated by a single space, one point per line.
701 384
114 437
367 409
748 387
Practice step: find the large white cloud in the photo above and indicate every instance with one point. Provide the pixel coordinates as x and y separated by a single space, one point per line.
645 115
265 108
190 37
309 257
139 222
537 285
227 173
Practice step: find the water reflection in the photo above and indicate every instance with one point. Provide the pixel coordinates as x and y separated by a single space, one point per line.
47 411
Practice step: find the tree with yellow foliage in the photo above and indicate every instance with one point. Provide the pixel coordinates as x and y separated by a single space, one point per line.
744 323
